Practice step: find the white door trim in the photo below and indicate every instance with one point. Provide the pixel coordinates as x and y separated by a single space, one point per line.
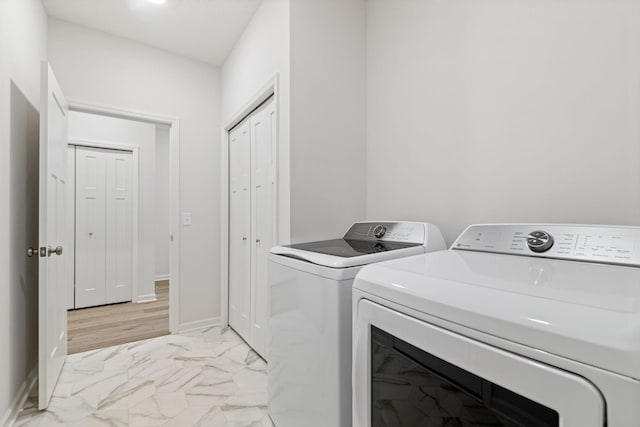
135 195
269 89
174 192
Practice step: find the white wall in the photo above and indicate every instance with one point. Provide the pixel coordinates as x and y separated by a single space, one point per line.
96 128
500 111
98 68
318 49
23 27
260 53
162 224
328 128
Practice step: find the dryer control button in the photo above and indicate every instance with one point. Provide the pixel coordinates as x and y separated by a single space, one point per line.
539 241
379 231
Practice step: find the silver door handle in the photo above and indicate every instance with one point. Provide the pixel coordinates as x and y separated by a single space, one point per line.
57 251
32 251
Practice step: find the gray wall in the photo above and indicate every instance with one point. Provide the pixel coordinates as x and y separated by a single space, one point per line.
501 111
22 45
98 68
328 104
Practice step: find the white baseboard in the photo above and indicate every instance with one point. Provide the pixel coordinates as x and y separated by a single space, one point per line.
198 324
13 410
162 277
146 298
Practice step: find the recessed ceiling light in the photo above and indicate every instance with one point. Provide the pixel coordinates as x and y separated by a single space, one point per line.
157 1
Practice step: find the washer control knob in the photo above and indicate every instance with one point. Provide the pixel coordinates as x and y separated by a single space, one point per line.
379 230
539 241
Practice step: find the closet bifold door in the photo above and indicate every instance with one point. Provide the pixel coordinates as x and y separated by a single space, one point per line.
119 227
262 220
91 268
104 227
240 230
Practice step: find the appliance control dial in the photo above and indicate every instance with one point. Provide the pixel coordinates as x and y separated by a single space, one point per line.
539 241
379 230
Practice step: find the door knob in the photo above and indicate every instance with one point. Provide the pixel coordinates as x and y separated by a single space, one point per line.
32 251
57 251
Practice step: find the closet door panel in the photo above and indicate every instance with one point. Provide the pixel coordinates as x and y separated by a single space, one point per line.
263 167
90 267
70 244
240 230
119 227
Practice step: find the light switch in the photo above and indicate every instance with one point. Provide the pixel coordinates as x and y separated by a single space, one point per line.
186 219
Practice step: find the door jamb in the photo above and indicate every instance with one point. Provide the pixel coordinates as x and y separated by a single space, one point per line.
174 192
135 194
271 88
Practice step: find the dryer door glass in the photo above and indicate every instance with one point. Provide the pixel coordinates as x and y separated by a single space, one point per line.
410 387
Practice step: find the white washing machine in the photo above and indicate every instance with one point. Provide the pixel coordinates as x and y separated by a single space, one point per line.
309 369
515 325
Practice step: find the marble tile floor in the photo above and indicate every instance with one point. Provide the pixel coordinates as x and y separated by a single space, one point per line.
207 378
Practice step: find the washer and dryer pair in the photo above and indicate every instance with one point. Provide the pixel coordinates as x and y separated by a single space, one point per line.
516 325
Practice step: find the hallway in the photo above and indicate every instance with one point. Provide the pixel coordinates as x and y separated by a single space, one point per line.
105 326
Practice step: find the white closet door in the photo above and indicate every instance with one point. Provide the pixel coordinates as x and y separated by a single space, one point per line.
104 227
90 227
262 214
119 226
70 246
240 230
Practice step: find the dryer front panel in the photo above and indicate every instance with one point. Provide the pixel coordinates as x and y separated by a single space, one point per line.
408 372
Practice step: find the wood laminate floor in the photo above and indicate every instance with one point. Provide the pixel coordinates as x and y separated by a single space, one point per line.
109 325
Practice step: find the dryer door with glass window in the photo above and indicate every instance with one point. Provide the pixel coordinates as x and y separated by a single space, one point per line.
409 372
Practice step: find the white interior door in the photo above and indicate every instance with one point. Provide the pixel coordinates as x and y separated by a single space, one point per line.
52 274
91 260
263 127
240 229
119 226
71 227
104 226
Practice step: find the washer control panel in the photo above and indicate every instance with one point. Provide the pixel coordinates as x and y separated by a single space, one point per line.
405 232
602 244
379 231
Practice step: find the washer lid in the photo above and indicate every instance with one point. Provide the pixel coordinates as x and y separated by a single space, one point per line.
583 311
348 248
341 253
368 242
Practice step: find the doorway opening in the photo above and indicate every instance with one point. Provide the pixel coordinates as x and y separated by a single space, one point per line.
122 212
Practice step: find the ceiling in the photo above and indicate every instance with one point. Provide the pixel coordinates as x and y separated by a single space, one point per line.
200 29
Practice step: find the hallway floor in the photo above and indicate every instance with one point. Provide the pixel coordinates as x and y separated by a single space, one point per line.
206 378
108 325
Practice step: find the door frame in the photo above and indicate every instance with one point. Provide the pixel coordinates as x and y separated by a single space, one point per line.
271 88
174 191
135 196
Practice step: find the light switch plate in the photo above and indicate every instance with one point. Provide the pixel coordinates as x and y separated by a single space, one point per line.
186 219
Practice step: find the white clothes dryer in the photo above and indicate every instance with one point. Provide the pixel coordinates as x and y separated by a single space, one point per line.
310 288
515 325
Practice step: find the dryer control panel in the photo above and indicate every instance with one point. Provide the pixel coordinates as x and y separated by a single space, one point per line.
602 244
